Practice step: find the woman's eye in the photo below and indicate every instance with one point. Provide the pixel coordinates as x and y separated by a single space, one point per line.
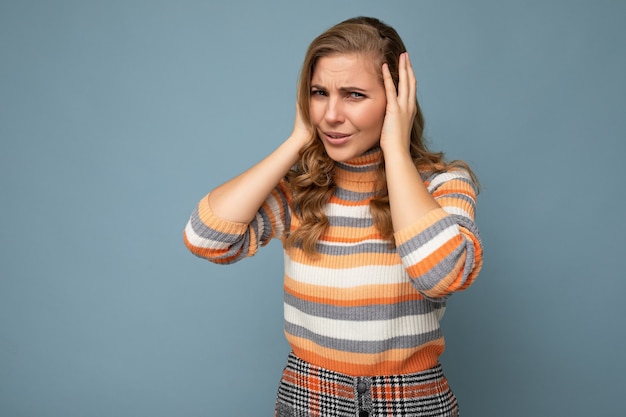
355 94
318 92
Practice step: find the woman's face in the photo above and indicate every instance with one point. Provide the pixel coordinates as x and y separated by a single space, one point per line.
347 105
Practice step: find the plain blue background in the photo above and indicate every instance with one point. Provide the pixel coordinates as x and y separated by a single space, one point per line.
116 117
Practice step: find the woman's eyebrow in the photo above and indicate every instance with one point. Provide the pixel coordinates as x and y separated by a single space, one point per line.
352 88
342 89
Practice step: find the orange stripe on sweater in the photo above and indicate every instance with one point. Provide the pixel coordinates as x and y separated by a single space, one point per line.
436 257
391 362
209 253
354 296
454 187
336 200
344 261
455 202
339 235
450 283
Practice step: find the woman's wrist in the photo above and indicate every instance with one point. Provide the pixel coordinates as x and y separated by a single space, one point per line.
395 152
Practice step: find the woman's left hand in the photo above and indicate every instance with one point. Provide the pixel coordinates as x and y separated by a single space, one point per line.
409 199
401 107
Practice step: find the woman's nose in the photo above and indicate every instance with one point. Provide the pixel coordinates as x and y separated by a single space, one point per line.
334 111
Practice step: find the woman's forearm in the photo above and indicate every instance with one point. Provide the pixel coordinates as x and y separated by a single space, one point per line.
409 199
239 199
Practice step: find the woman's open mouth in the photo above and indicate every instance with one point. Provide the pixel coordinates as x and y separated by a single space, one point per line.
336 138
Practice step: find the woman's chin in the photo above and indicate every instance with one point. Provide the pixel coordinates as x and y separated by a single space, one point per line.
339 154
345 153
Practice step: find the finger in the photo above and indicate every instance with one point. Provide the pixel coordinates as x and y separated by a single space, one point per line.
403 90
412 81
390 88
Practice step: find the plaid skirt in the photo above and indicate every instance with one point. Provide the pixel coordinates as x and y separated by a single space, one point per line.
309 391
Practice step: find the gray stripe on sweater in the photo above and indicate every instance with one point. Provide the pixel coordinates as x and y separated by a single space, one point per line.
432 277
457 177
348 195
360 346
364 313
327 248
426 235
460 196
206 232
343 221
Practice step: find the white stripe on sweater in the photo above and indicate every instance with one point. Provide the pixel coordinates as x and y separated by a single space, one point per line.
357 212
202 242
431 246
447 176
366 331
346 278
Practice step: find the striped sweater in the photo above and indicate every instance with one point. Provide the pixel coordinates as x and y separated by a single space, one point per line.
363 307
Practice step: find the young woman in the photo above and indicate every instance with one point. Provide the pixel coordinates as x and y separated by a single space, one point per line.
377 231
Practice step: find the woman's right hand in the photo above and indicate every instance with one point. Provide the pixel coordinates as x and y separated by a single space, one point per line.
239 199
301 130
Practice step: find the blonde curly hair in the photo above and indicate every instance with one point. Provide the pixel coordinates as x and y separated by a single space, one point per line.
311 179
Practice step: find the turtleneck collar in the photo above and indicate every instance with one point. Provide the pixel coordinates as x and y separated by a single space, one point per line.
359 173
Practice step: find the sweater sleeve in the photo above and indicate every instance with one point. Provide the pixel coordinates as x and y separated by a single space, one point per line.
225 242
442 251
